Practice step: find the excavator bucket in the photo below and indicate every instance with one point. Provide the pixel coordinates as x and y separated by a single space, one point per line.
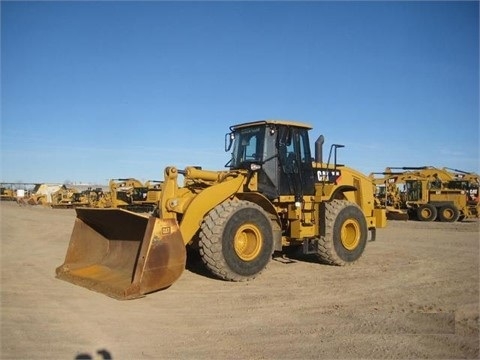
123 254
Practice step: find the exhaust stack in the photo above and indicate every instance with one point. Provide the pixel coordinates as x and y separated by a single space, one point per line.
319 149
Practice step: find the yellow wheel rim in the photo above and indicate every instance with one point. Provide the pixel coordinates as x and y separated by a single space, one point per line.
247 242
350 234
448 214
426 213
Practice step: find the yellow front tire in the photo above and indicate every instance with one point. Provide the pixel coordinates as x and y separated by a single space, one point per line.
236 240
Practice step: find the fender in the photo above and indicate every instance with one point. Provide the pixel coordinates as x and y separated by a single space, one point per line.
205 201
340 190
266 205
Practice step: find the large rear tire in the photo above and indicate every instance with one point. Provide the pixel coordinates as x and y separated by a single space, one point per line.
427 212
345 234
448 213
236 240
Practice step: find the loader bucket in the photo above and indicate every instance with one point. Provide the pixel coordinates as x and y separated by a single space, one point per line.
123 254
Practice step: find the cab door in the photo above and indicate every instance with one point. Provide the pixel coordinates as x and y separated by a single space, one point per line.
295 163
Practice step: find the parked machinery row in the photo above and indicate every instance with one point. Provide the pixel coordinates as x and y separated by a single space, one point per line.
427 193
423 193
28 193
129 193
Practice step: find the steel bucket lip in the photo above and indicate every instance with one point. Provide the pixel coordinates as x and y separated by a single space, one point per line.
118 292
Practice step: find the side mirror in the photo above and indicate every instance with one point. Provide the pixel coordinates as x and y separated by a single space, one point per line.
229 141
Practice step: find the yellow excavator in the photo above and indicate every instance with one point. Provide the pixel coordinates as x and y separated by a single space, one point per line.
273 197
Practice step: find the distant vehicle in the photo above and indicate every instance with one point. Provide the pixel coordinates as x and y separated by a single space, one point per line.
428 193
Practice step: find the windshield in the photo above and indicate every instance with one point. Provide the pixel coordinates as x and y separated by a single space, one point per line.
247 146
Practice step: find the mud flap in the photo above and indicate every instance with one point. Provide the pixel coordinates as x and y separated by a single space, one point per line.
122 254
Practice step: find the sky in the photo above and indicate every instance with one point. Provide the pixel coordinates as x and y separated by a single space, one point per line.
97 90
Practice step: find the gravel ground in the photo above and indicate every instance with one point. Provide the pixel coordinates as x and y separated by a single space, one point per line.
413 295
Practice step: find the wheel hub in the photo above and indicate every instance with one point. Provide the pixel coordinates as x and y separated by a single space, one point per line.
448 214
350 234
247 242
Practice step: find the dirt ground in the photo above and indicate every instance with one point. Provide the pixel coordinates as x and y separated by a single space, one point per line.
413 295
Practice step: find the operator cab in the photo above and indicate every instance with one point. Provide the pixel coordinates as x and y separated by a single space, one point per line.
279 151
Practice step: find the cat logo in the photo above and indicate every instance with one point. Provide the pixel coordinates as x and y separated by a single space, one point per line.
328 175
166 230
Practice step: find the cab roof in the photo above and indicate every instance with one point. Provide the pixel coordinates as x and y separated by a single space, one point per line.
271 122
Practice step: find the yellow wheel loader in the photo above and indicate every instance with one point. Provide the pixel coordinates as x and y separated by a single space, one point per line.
272 198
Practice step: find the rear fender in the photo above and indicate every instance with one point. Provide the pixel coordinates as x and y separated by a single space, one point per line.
339 192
